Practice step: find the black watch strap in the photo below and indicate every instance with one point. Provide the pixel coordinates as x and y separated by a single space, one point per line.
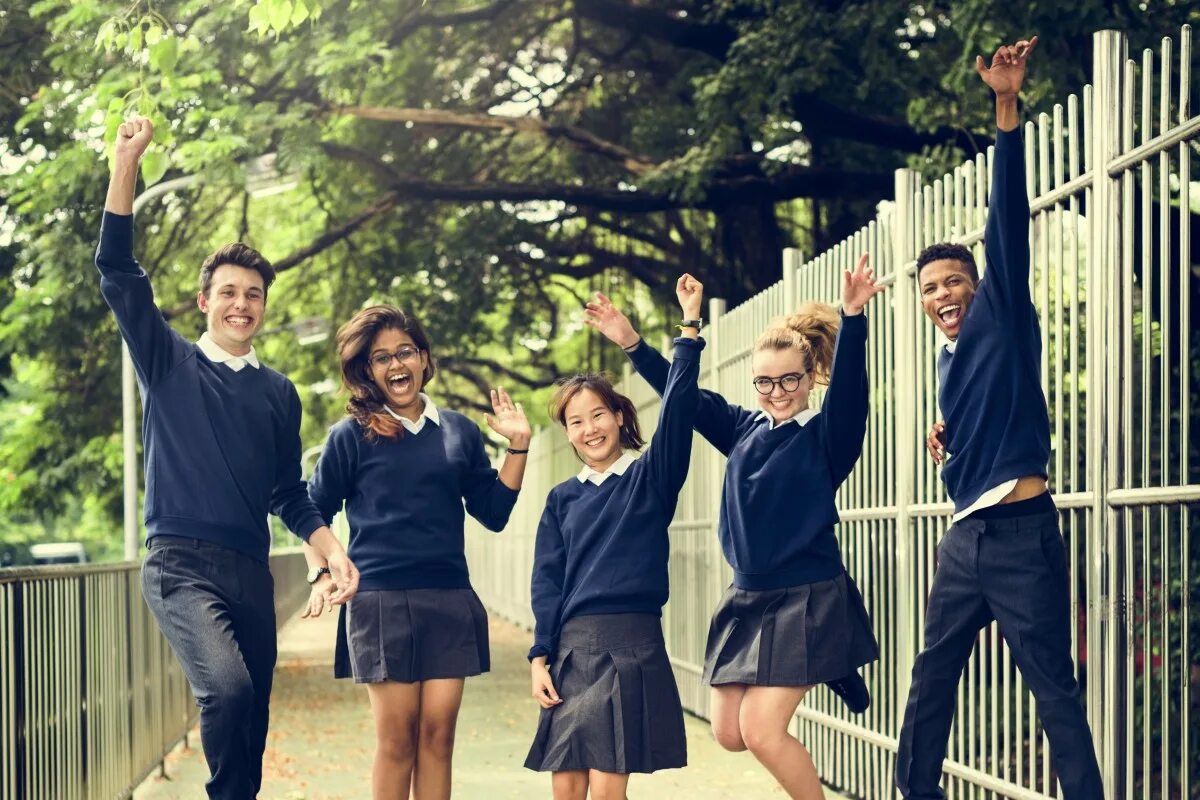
315 574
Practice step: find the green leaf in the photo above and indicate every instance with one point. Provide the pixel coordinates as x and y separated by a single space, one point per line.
165 55
259 23
279 12
154 35
299 13
154 166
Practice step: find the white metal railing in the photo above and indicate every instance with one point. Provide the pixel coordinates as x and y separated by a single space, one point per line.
1113 280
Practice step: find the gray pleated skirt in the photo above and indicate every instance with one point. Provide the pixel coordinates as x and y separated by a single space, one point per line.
620 709
411 635
798 636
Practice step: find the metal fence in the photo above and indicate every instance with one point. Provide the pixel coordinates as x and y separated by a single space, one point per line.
91 697
1114 280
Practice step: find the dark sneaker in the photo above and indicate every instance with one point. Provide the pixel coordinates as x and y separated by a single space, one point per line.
853 691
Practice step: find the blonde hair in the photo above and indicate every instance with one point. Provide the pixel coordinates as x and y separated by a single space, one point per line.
812 330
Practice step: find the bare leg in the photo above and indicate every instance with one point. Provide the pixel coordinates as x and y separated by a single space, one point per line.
395 707
440 700
570 784
607 785
766 712
726 710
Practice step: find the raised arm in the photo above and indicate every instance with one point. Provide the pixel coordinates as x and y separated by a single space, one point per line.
670 448
1006 240
153 345
716 420
489 498
844 409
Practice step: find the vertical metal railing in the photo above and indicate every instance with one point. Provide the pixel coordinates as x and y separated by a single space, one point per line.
1114 280
91 697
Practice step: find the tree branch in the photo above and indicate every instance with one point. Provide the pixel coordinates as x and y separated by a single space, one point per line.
585 140
460 364
686 32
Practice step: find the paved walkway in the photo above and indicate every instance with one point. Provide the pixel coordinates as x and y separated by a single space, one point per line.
322 738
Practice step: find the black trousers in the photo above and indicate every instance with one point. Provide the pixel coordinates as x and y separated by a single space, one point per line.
216 608
1012 570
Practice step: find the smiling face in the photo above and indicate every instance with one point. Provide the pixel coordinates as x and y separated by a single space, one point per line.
234 306
947 288
593 429
396 365
770 363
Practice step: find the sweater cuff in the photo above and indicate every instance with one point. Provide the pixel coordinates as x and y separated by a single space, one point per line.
685 349
1008 140
538 650
116 235
641 353
308 527
852 321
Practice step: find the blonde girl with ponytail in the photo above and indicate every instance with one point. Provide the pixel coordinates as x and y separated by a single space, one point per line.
793 618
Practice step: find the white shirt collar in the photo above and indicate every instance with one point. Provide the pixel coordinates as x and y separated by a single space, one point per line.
951 344
800 419
618 467
219 355
429 413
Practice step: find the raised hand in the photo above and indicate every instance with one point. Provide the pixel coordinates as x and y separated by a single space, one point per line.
935 442
133 137
858 287
543 685
690 294
602 315
508 419
1007 72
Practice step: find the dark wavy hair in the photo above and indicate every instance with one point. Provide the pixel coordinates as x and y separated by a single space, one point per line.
630 434
239 255
955 252
366 403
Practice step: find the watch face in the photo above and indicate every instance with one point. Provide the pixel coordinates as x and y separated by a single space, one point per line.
314 573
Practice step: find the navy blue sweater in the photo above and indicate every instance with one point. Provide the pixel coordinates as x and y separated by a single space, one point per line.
997 425
777 509
222 447
404 500
603 549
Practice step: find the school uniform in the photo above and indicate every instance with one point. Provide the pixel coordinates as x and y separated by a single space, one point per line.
792 616
598 587
1001 562
221 435
415 616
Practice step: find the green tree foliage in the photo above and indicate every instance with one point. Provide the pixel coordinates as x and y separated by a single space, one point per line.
484 162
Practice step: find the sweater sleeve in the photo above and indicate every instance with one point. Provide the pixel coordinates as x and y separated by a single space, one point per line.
1006 239
716 420
487 498
153 345
290 500
671 446
546 584
333 479
844 409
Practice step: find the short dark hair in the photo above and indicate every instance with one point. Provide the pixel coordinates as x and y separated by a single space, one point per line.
953 252
630 434
239 255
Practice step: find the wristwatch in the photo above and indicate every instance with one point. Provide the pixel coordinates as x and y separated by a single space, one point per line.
691 323
315 574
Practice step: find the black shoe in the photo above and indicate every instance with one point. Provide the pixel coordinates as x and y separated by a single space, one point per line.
853 691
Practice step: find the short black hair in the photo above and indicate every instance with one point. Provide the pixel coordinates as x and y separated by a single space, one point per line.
953 252
239 255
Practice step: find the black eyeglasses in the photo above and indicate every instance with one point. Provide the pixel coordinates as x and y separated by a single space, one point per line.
789 383
383 360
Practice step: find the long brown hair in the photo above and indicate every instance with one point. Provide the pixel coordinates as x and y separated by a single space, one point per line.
812 330
630 433
366 403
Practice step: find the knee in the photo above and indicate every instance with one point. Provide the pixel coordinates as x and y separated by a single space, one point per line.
728 736
437 738
761 739
397 743
231 694
602 792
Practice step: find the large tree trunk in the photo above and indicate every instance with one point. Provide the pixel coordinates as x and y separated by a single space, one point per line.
750 243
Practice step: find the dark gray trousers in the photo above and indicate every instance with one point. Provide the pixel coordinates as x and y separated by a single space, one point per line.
1014 571
216 607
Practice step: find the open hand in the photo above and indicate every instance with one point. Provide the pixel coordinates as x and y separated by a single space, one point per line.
858 287
602 315
543 685
133 137
1007 72
320 598
508 419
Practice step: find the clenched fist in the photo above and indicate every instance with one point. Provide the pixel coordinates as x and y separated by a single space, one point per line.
133 137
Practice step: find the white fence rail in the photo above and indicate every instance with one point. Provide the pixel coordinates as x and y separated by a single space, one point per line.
1114 279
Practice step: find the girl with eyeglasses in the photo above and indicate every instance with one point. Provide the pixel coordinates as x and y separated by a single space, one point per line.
793 618
404 469
599 666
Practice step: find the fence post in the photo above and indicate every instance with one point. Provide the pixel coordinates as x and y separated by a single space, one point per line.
793 259
1104 625
907 183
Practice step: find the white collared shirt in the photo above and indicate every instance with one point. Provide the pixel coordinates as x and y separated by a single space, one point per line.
219 355
618 467
800 419
429 413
